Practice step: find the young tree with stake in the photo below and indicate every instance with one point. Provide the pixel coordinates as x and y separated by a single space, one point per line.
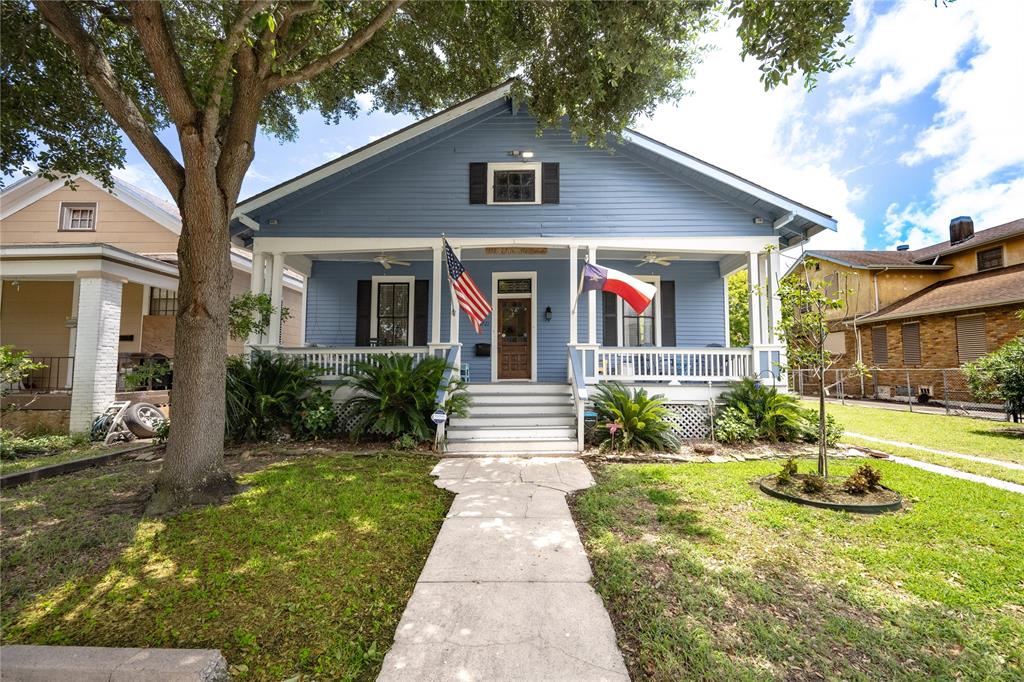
76 75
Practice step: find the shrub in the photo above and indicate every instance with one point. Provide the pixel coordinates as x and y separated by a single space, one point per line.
13 445
264 393
15 366
162 431
631 419
812 484
405 442
146 374
833 429
776 416
999 376
856 483
733 425
871 475
395 396
787 472
315 418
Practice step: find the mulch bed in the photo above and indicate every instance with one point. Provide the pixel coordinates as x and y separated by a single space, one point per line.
833 496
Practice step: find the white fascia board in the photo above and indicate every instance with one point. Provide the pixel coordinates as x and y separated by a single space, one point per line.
38 262
731 180
322 245
25 193
369 151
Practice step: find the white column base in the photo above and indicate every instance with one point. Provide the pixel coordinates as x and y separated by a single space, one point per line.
96 347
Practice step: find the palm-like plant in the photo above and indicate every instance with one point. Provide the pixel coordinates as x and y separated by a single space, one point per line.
632 419
777 416
263 392
394 396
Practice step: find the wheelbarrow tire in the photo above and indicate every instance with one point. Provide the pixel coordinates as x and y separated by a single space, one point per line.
142 419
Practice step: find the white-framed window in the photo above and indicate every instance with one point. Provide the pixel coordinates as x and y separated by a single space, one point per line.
77 217
643 327
392 306
513 183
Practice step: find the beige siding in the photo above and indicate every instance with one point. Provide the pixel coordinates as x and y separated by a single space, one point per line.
116 223
131 317
33 316
966 262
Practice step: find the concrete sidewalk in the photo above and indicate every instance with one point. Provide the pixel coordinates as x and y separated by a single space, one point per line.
505 592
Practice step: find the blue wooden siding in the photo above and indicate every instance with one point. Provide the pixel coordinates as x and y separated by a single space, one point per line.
421 188
700 306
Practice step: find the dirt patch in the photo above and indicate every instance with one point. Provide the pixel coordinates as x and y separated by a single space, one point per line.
832 493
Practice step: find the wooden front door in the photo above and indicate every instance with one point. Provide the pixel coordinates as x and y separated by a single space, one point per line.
515 349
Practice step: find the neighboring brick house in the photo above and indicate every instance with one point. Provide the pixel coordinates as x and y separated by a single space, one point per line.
932 308
89 284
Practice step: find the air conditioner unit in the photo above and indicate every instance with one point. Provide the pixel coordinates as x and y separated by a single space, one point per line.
884 392
926 390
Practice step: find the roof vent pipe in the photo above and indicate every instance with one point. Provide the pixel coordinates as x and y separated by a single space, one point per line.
961 229
903 247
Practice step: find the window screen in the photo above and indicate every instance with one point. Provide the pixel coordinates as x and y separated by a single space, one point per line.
879 345
835 343
989 259
512 187
163 302
970 337
912 343
393 314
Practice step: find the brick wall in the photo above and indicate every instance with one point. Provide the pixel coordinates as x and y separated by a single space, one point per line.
96 344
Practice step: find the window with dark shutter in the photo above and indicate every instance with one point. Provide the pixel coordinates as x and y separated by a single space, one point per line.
610 319
668 313
990 259
478 183
421 305
970 337
364 292
879 345
549 183
912 343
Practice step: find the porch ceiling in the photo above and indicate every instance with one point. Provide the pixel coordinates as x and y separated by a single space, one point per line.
512 253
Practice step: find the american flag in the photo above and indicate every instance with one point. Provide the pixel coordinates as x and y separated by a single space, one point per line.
470 299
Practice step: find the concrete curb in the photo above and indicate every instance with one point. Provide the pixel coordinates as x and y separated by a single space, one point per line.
27 663
51 470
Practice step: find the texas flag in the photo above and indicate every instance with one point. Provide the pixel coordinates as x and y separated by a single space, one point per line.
638 294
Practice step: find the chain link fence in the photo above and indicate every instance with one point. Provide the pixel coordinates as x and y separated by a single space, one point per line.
934 391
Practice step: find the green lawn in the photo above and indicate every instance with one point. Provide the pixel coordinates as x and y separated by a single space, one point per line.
958 434
706 578
19 453
979 468
307 571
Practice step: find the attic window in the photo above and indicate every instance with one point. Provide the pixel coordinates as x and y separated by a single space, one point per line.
990 259
78 217
513 183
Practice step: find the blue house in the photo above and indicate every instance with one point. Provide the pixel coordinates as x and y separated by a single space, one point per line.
523 213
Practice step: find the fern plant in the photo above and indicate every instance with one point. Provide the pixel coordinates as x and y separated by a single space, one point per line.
633 420
395 394
776 416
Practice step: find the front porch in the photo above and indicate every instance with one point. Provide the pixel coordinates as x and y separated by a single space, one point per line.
367 296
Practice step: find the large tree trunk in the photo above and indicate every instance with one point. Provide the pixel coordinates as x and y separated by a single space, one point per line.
193 470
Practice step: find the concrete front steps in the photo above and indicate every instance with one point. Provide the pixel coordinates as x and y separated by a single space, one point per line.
515 419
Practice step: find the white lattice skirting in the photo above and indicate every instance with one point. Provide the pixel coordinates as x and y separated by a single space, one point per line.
690 420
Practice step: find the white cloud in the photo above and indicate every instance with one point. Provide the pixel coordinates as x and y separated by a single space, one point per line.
730 121
365 100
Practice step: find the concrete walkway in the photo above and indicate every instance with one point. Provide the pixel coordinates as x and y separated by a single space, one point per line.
505 592
946 453
956 473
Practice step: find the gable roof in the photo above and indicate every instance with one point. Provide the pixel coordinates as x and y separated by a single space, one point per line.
1004 286
786 215
920 259
32 188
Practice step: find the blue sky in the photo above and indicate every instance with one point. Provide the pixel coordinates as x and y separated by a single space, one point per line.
924 127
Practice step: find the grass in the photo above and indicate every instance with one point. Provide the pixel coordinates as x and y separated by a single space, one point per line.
307 571
18 453
706 578
957 434
979 468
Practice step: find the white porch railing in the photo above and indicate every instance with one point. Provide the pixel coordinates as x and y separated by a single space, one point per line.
334 362
670 364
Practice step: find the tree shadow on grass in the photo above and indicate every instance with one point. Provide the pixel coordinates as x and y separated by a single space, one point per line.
308 570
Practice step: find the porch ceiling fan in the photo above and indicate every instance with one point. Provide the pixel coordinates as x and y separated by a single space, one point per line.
386 261
653 258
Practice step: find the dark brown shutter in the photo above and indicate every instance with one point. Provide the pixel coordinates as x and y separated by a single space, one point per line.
419 313
549 183
912 343
970 337
610 335
478 183
879 345
364 289
668 313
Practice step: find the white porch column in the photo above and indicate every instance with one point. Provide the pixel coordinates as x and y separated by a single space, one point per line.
774 264
96 343
574 324
257 286
435 295
453 328
592 302
276 298
754 281
302 316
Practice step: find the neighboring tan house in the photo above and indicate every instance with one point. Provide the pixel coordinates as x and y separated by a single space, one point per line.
523 213
931 308
89 287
